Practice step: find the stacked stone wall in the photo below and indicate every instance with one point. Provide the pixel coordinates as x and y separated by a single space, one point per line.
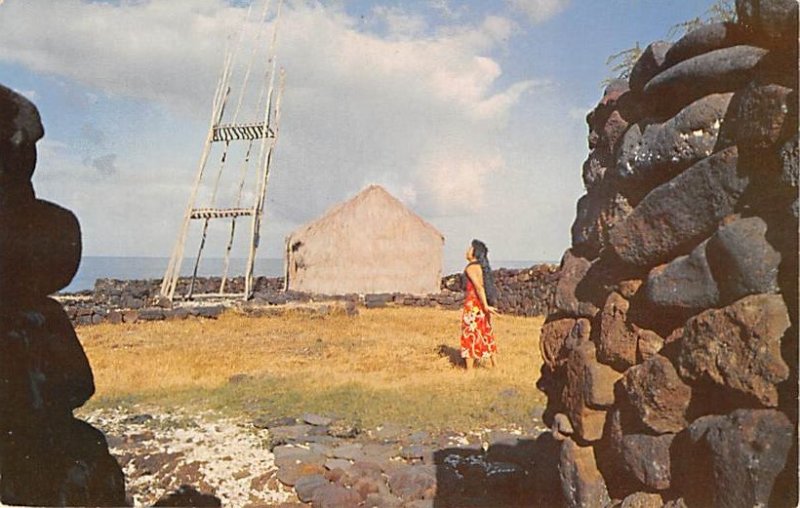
523 292
670 359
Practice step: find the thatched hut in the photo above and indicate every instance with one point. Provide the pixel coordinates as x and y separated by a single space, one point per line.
369 244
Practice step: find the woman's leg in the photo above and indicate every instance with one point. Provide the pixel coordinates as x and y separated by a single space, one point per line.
469 362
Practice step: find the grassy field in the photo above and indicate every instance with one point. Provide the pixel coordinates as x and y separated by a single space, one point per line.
385 365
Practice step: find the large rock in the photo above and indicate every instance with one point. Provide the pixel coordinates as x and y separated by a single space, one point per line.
684 285
582 484
652 153
41 249
747 448
774 21
559 337
589 388
738 348
70 468
20 129
657 396
597 213
704 39
742 259
644 457
573 269
43 368
648 65
588 380
647 459
719 71
676 216
616 343
763 113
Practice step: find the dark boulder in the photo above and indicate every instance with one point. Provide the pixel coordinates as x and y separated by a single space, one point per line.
773 21
573 269
41 249
648 65
42 365
743 261
71 468
748 449
704 39
763 112
597 213
653 152
684 285
581 482
676 216
647 458
719 71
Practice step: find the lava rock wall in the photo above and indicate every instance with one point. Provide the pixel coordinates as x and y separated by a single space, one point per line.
47 456
670 360
521 292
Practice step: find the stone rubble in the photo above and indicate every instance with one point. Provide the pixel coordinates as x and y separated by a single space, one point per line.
207 458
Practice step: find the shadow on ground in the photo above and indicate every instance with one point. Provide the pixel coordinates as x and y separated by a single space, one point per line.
452 354
521 473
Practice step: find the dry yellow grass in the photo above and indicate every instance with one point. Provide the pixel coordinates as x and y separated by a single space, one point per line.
383 365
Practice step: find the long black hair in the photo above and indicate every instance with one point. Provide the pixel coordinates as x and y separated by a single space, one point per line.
481 253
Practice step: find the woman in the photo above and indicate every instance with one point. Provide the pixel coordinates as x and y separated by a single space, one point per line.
477 337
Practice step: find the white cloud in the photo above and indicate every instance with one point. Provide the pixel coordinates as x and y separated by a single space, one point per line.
153 49
539 11
419 109
400 23
458 184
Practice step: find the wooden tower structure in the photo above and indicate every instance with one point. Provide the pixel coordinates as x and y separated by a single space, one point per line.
244 148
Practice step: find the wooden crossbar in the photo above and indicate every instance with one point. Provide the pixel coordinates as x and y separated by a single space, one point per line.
219 213
261 136
249 131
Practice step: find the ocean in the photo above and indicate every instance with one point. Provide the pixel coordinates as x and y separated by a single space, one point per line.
133 268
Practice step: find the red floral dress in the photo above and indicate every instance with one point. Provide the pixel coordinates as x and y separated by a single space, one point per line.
477 336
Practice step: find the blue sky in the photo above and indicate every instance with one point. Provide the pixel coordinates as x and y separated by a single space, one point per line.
472 113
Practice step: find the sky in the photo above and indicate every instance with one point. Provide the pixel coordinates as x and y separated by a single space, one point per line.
472 113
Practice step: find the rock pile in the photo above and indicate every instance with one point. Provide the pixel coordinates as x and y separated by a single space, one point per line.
47 457
670 360
336 463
